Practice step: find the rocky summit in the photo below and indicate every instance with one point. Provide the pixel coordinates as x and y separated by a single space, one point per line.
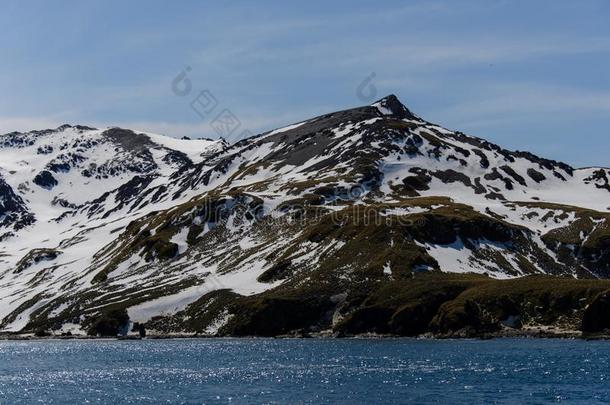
368 220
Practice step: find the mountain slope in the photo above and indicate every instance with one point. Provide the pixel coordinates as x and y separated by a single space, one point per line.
203 236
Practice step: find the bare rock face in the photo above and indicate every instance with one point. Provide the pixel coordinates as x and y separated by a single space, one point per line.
45 180
597 314
14 213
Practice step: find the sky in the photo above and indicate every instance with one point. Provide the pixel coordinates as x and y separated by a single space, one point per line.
528 75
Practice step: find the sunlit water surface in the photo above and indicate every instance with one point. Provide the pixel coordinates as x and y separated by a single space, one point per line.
305 371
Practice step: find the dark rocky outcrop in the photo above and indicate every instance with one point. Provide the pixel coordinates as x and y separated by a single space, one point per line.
110 323
597 314
536 175
14 212
45 180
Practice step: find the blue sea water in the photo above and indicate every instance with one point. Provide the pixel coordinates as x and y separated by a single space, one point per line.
305 371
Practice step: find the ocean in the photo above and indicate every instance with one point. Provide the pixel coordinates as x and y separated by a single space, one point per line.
316 371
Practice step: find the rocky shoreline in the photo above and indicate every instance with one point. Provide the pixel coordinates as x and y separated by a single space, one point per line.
504 335
434 305
533 332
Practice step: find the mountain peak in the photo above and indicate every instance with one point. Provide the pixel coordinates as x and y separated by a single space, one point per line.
345 201
391 105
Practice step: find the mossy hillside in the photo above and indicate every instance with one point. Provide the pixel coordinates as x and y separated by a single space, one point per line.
571 234
534 300
372 239
578 211
581 246
396 240
401 307
585 222
391 242
386 242
400 125
596 247
308 186
151 236
365 241
51 318
301 304
438 303
197 317
369 244
445 225
113 294
87 307
21 308
301 202
359 230
292 188
273 316
584 243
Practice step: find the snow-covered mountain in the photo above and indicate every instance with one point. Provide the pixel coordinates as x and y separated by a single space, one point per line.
200 235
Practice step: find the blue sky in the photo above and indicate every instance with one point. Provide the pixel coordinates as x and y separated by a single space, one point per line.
529 75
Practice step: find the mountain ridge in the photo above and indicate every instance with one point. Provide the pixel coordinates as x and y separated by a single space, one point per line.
117 220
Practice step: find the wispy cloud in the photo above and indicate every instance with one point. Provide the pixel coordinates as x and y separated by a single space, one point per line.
509 102
475 64
450 53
